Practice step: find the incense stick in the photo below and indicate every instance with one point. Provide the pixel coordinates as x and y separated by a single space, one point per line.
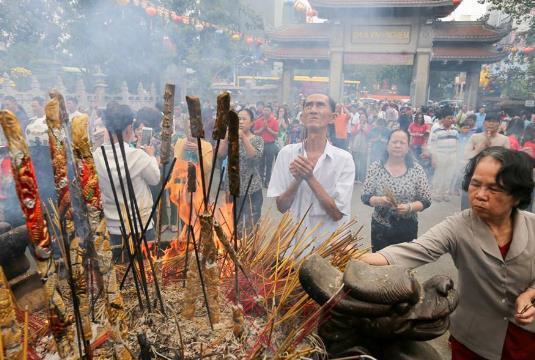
122 228
137 214
25 345
201 277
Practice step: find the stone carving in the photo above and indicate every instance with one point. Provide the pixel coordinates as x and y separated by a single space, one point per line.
382 311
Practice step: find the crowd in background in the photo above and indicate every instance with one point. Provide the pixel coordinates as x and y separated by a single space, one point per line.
441 141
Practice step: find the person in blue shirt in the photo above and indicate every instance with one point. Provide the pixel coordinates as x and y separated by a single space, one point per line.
480 118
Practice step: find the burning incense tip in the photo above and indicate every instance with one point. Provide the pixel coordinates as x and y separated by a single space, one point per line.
221 123
195 118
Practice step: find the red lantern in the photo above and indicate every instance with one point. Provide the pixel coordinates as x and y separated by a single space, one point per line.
151 11
249 40
175 18
529 50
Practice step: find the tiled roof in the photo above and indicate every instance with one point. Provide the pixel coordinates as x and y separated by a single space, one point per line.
466 31
294 53
301 32
486 53
380 3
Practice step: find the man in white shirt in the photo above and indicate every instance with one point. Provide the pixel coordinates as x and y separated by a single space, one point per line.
37 130
314 174
71 104
443 147
144 171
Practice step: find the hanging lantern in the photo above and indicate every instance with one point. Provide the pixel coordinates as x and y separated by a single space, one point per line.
176 18
151 11
529 50
249 40
235 37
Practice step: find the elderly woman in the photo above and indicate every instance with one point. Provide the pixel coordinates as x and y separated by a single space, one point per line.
397 188
251 150
493 247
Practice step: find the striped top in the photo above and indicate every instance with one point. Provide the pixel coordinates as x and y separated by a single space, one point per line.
443 140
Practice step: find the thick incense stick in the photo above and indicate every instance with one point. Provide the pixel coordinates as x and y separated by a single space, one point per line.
201 277
220 130
197 131
192 187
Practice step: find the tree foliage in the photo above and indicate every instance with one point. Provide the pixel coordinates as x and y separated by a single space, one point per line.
122 40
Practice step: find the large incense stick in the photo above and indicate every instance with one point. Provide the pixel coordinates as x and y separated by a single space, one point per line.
201 276
197 131
192 187
234 182
166 132
220 130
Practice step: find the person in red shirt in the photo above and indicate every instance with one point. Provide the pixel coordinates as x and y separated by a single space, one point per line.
515 130
528 145
267 127
341 120
418 129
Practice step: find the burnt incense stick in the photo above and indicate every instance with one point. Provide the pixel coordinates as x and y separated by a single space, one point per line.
192 187
166 132
139 220
222 173
122 227
234 184
201 276
75 301
197 131
153 211
220 130
138 255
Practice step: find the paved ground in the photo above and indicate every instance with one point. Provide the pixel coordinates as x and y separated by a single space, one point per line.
431 216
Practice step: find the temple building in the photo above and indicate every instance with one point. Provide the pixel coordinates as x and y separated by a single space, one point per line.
385 32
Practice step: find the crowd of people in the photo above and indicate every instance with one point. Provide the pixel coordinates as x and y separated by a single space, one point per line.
309 159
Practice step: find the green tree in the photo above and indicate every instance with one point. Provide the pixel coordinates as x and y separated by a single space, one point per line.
517 77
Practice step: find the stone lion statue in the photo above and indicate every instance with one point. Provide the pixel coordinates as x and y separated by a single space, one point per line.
381 311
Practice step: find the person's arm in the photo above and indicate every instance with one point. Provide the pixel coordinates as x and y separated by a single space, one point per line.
439 240
151 170
422 199
286 199
273 128
252 150
223 148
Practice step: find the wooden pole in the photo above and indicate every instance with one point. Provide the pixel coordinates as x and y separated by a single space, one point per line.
25 345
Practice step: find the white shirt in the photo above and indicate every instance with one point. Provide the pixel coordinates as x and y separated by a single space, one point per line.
335 171
37 131
144 171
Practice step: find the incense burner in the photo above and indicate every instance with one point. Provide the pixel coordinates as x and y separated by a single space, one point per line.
382 311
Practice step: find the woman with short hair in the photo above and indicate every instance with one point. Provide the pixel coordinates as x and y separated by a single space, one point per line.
397 188
492 246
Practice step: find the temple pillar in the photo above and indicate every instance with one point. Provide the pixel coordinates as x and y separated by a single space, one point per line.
336 75
471 92
420 78
286 89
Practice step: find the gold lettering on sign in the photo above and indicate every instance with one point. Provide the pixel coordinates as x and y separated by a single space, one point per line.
387 34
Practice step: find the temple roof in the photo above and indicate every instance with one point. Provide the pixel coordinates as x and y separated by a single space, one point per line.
381 3
301 32
297 53
487 54
464 31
